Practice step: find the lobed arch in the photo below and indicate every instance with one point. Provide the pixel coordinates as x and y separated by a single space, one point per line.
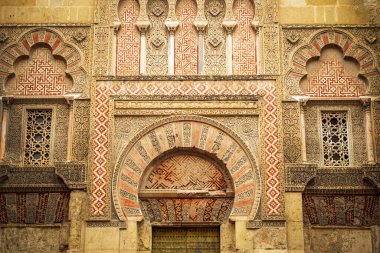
351 49
186 132
59 48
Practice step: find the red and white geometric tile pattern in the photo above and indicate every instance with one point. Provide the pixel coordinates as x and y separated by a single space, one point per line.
100 169
244 41
128 40
186 55
333 80
41 74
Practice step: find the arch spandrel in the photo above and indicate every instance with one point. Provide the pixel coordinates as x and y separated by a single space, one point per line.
192 132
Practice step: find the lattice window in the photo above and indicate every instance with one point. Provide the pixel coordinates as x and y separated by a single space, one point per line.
335 139
37 138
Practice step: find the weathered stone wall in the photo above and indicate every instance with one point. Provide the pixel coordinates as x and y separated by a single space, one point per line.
46 11
329 12
33 239
344 240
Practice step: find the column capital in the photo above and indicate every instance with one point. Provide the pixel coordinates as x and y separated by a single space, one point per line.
366 101
143 26
116 26
255 25
229 25
171 26
201 25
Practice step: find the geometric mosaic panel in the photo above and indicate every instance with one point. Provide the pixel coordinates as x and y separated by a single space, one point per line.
186 39
333 76
186 172
244 46
128 40
40 74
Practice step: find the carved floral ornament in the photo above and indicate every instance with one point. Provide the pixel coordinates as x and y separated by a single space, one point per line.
350 48
194 134
58 47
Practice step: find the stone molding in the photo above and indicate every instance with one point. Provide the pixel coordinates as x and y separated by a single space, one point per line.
298 176
27 178
307 177
73 174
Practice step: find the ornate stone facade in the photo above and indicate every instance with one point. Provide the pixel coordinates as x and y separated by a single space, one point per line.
208 115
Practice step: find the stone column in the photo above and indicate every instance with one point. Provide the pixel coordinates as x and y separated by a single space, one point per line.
172 27
70 131
303 102
129 238
116 28
255 26
368 130
4 129
76 217
229 25
143 27
294 222
201 28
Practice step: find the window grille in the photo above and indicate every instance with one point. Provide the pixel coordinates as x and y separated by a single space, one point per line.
335 139
37 138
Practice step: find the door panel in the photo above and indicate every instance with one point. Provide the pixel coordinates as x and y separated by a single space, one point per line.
187 240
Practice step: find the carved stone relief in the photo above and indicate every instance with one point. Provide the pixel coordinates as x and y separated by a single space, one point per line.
157 38
186 55
17 132
215 38
128 40
291 134
356 133
244 39
81 134
343 210
302 43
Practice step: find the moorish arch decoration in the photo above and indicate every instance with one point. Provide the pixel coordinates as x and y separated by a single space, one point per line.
186 140
42 47
350 49
185 185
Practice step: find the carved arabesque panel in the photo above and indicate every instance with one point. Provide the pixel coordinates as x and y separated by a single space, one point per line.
215 37
81 129
128 40
244 41
157 38
376 121
291 133
14 140
186 42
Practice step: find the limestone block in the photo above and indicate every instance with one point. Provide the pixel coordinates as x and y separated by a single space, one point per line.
345 240
321 2
227 237
100 239
268 238
295 235
293 206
